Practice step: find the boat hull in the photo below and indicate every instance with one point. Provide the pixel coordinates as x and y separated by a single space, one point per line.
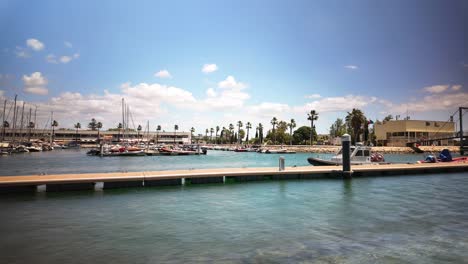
322 162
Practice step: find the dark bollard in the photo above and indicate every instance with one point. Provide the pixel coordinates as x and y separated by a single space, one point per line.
346 155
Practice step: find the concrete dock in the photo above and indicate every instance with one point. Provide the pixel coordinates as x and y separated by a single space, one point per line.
64 182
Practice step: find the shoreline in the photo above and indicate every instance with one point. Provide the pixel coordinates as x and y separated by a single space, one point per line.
334 149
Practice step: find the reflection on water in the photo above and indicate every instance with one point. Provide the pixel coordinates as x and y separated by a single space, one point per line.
412 219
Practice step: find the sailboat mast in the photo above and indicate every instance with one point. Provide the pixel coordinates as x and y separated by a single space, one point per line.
35 123
123 117
52 121
21 123
14 120
3 123
29 124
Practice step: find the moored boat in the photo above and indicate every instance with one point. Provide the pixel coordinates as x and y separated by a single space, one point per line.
360 155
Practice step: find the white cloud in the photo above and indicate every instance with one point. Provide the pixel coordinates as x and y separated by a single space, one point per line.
456 87
436 88
37 90
35 44
226 99
65 59
67 44
163 74
267 110
313 96
51 59
35 84
21 52
231 83
337 104
210 92
351 67
2 93
209 68
433 102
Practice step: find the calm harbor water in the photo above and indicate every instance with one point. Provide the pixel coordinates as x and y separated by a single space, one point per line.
411 219
76 161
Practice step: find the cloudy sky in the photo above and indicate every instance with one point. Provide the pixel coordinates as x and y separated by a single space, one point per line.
208 63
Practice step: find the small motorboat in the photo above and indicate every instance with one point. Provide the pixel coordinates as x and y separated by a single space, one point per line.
360 155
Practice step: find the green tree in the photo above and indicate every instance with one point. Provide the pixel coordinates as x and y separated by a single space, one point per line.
211 134
388 118
99 126
312 116
93 124
301 135
231 131
54 125
216 135
274 122
260 132
248 126
192 130
77 126
239 126
139 128
119 127
158 130
176 127
355 121
338 128
291 125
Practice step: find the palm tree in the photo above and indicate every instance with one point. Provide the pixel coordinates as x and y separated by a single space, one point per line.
291 125
248 126
119 127
211 134
77 126
54 124
216 135
139 128
31 125
158 129
93 124
206 134
99 126
239 125
312 116
191 134
355 119
176 127
260 132
231 130
274 122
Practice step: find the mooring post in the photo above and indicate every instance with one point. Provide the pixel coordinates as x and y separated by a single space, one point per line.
281 163
346 155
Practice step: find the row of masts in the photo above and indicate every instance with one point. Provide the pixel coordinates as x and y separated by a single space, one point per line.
26 121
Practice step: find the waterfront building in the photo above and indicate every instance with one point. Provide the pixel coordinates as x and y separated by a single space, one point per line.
90 136
398 133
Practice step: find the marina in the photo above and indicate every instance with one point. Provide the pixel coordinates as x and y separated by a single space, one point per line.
415 218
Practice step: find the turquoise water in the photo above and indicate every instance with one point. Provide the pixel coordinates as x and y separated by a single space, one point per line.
412 219
76 161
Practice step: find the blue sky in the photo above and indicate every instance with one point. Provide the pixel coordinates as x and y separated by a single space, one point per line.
267 58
